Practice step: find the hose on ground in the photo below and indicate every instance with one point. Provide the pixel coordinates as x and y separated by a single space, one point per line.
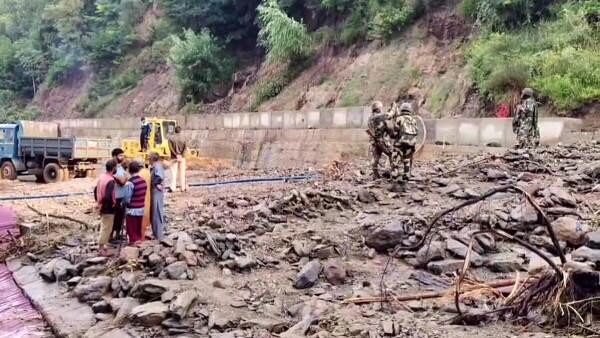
305 177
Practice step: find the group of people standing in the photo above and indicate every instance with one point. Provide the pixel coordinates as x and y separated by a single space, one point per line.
394 134
130 197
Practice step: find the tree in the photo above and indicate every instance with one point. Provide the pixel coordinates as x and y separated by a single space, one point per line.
200 64
284 38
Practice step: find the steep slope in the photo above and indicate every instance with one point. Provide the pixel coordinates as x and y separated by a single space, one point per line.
425 63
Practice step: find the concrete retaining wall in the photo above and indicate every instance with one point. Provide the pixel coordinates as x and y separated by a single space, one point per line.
310 138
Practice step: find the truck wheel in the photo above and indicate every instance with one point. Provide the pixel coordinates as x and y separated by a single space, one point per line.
52 173
8 171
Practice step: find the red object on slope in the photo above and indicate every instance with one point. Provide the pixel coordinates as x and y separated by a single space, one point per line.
503 111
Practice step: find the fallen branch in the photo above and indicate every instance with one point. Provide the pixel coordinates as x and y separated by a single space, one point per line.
428 295
63 217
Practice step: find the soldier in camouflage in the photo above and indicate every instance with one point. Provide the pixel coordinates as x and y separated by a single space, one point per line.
377 131
405 136
525 121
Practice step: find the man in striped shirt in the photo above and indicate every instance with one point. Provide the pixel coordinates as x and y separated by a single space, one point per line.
135 200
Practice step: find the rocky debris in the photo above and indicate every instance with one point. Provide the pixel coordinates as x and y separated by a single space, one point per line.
154 260
183 239
594 239
123 283
445 267
101 307
504 263
304 204
495 174
129 253
585 254
177 270
150 289
432 252
57 269
570 230
183 302
557 195
311 312
487 242
190 258
334 272
123 308
302 248
389 236
221 321
309 275
92 289
365 196
149 314
524 213
100 260
74 281
459 250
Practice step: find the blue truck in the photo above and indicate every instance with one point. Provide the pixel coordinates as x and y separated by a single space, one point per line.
36 148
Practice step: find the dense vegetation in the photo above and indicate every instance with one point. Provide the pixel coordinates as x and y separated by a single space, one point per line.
552 47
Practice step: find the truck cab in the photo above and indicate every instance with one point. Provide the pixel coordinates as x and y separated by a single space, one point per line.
10 164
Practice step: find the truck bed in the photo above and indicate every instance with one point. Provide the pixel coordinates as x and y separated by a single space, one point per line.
65 148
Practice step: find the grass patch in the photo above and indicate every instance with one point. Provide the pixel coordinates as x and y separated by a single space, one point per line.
558 58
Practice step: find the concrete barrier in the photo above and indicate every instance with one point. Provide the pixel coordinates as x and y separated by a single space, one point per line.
311 138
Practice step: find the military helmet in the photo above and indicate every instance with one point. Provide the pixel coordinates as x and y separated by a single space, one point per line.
527 92
377 106
407 107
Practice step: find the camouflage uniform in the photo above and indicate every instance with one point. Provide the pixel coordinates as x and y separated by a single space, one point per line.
405 139
525 121
377 130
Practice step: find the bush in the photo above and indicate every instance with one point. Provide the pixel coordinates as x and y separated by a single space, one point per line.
284 38
502 14
388 20
200 64
559 58
108 45
127 79
59 70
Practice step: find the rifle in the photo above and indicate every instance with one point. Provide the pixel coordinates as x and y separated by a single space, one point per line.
384 148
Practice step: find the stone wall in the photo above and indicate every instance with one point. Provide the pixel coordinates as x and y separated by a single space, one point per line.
304 139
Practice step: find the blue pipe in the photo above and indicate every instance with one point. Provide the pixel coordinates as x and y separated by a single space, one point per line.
306 177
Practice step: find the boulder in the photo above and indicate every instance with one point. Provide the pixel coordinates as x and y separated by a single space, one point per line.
365 196
154 259
100 260
177 270
149 314
504 263
129 253
182 303
487 242
123 307
495 174
459 250
63 270
308 276
302 248
445 267
561 196
388 236
570 230
92 289
190 258
244 262
150 288
125 281
594 239
546 243
432 252
47 271
220 320
183 239
524 213
585 254
101 307
334 272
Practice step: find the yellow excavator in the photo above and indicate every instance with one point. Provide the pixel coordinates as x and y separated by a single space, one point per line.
158 141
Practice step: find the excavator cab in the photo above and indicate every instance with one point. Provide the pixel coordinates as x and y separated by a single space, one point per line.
158 140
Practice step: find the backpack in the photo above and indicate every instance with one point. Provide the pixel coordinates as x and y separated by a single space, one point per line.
407 125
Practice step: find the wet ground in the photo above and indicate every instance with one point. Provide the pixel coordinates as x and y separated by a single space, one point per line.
282 228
